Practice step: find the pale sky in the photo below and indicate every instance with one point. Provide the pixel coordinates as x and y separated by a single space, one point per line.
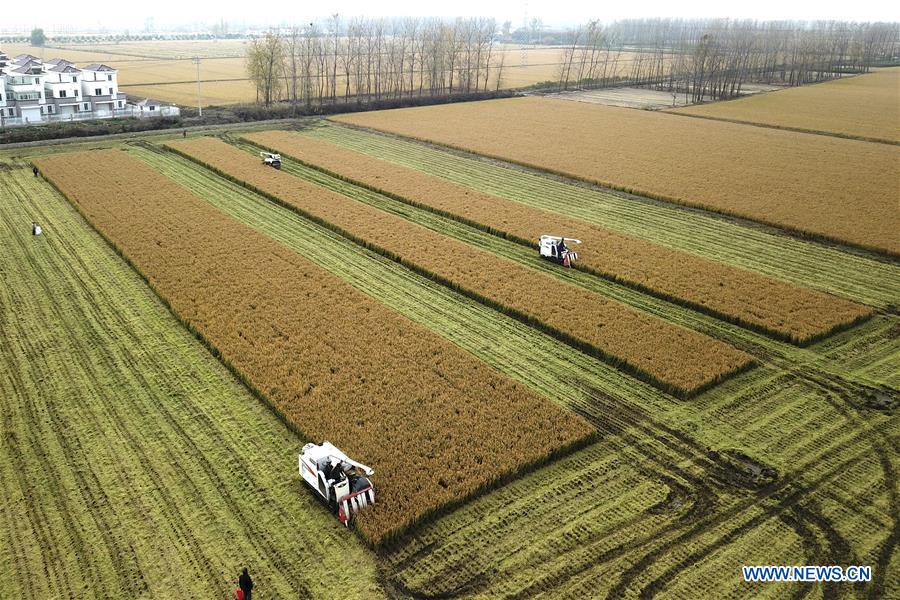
58 14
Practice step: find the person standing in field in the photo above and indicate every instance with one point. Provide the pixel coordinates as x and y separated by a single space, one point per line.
35 171
245 583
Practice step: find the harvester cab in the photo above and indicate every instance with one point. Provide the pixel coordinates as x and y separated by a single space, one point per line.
343 484
271 160
555 248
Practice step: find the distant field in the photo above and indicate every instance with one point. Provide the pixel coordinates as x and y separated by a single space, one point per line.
865 106
835 188
143 65
175 49
131 462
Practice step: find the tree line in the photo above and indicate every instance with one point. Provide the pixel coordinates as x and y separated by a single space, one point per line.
713 59
375 59
365 59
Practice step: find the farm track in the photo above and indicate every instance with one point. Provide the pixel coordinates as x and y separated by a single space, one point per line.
855 275
132 466
443 555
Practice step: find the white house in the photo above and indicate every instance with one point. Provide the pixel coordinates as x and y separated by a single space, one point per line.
100 86
25 88
32 91
62 88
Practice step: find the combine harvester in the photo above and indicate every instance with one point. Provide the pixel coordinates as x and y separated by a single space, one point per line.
553 247
271 160
341 482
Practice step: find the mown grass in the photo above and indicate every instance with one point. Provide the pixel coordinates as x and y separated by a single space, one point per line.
132 463
802 413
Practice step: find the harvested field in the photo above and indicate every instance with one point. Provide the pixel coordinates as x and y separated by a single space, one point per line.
648 346
273 317
131 460
863 279
863 106
774 306
650 492
833 188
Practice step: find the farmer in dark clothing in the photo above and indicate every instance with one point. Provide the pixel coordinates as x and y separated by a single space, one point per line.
184 133
561 247
34 170
246 584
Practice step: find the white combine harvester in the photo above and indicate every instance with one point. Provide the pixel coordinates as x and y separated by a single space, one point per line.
553 247
271 160
341 482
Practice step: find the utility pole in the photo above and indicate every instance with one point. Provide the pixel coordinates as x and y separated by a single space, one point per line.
196 61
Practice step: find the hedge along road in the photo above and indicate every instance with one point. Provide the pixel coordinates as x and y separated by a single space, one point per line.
335 363
606 328
810 264
765 348
132 462
457 549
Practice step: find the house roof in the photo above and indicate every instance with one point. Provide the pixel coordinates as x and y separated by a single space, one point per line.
58 61
148 102
97 67
64 68
24 69
25 57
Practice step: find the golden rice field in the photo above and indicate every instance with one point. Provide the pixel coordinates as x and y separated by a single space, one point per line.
791 312
863 106
832 188
338 365
702 392
629 338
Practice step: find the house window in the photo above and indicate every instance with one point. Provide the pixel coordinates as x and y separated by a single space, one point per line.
37 81
152 108
98 92
49 110
109 77
120 105
76 93
74 80
110 91
62 93
87 106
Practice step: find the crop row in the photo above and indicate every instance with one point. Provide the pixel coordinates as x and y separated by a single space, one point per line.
834 188
827 268
646 345
129 455
779 308
569 502
435 423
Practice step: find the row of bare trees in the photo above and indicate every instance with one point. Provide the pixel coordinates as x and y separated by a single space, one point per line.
375 59
386 59
707 59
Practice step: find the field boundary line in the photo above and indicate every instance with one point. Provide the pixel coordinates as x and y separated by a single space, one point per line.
784 229
593 271
837 134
